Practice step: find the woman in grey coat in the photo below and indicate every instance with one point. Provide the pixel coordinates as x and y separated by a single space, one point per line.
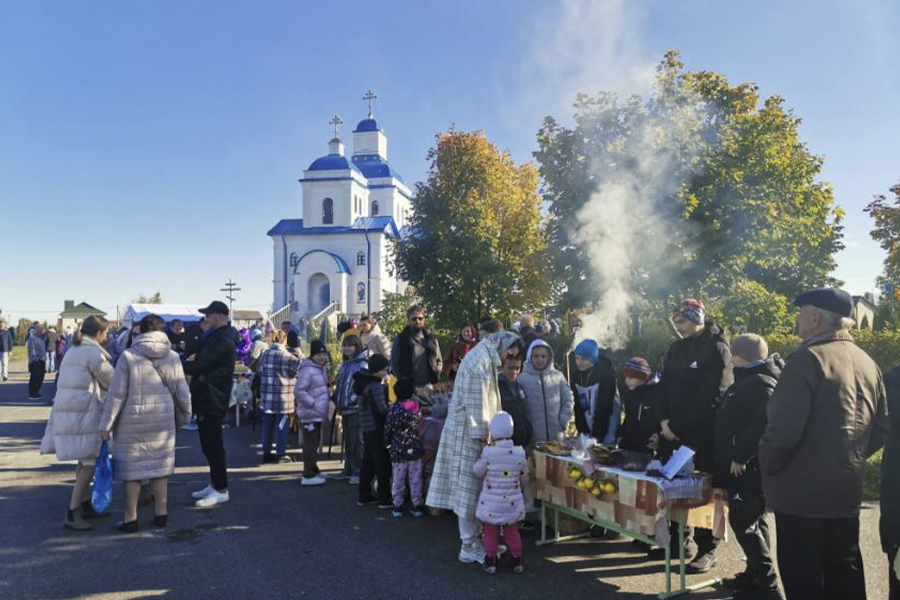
148 398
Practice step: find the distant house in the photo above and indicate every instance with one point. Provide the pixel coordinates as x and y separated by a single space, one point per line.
74 315
864 311
245 318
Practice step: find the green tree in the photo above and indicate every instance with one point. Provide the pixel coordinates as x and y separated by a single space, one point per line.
477 242
740 183
886 232
22 330
751 307
392 316
154 299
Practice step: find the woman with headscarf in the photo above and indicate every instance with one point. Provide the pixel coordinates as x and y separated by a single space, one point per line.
476 398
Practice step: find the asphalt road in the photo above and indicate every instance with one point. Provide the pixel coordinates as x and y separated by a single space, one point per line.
278 540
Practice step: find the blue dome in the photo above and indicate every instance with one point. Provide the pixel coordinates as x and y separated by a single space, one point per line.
366 125
331 162
373 166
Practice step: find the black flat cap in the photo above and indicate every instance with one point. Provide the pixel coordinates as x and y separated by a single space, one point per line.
830 299
215 308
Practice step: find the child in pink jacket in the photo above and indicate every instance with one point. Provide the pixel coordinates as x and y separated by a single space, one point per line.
312 398
501 505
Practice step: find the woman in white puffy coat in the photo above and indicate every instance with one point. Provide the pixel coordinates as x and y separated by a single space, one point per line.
73 431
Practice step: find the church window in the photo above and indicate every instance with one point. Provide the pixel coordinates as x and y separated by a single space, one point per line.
295 260
374 208
361 258
327 211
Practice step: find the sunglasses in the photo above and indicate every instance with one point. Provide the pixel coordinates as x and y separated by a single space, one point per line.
417 318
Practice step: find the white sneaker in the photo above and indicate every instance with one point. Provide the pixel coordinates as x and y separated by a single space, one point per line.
317 480
354 481
203 493
213 499
190 427
471 553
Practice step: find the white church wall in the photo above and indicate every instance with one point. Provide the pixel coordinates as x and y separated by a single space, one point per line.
370 142
341 194
279 293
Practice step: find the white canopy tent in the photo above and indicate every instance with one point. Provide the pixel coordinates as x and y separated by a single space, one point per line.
169 312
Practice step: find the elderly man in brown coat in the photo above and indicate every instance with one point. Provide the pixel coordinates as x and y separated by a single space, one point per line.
827 415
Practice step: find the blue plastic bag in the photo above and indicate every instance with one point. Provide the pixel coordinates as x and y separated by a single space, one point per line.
101 496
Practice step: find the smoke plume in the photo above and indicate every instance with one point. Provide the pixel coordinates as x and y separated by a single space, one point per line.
593 45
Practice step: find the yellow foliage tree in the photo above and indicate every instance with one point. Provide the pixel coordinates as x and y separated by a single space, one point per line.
477 243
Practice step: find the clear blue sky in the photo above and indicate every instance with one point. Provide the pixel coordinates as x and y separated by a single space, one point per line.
149 146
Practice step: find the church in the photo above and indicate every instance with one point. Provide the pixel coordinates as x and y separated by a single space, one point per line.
337 255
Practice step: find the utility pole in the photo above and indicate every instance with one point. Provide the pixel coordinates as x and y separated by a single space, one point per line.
231 288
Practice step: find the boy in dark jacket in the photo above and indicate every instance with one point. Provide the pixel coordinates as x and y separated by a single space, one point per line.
373 409
640 400
401 436
598 408
696 374
512 400
739 426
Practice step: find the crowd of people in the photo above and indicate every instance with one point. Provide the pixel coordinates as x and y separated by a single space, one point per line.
789 436
45 348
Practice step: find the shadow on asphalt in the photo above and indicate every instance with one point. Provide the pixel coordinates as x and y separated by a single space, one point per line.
275 539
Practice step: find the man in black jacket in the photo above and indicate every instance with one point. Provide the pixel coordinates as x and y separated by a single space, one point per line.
890 484
415 352
696 374
212 369
740 424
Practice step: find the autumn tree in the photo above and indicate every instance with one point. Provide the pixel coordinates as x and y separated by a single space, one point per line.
741 189
886 214
477 243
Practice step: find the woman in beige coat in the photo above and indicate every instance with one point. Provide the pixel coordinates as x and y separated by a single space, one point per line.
148 398
73 431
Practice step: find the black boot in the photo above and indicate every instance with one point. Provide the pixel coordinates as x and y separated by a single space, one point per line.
75 520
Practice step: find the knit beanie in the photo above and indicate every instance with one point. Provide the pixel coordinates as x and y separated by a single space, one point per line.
405 388
589 350
750 347
638 368
315 347
377 362
692 310
293 341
